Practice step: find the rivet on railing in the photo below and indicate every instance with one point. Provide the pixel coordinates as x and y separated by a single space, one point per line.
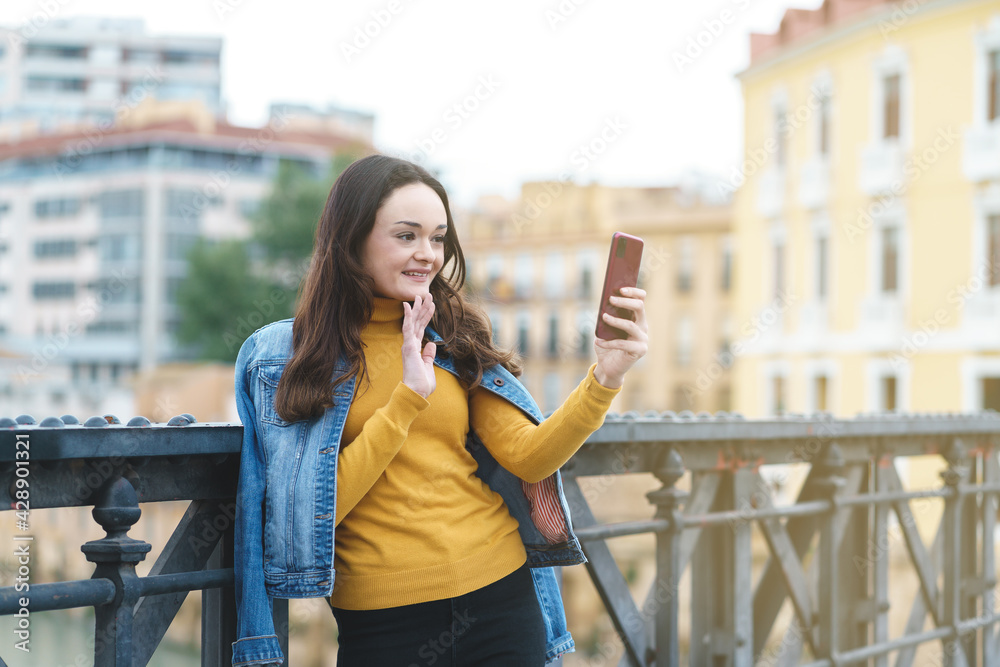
111 419
69 419
53 422
26 420
138 421
7 422
96 422
179 420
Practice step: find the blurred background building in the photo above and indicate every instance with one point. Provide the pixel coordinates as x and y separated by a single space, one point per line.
871 205
538 263
115 156
84 70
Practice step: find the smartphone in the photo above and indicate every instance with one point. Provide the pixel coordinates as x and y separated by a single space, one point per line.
622 271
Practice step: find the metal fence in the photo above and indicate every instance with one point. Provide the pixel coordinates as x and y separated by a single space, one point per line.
826 550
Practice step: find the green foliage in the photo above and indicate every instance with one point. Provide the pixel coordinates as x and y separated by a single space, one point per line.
222 301
285 224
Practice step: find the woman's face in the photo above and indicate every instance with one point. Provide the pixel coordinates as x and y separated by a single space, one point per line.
405 248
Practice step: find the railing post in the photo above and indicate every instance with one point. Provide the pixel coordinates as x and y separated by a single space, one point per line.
668 558
117 510
742 570
830 484
951 594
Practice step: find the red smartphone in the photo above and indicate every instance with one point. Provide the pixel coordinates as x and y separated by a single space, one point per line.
622 271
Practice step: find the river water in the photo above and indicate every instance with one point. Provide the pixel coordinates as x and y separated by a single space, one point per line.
66 639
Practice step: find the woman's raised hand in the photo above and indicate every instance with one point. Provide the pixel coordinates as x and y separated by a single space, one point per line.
418 369
616 356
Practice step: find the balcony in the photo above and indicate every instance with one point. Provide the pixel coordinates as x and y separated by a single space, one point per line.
771 192
813 318
814 183
827 547
881 321
881 167
981 316
981 155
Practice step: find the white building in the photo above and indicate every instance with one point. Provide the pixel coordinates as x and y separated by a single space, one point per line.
94 229
85 69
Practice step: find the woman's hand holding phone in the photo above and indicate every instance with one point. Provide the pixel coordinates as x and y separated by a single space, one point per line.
617 355
620 337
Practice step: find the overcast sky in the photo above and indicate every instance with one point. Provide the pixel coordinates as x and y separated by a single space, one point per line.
534 80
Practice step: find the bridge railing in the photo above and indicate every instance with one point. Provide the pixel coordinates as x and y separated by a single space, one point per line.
826 550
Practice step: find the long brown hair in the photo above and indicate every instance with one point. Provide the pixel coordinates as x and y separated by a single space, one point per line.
336 300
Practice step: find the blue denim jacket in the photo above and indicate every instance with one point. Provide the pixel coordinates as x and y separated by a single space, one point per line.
286 504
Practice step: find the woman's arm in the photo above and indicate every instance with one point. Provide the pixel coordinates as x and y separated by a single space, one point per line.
361 464
534 452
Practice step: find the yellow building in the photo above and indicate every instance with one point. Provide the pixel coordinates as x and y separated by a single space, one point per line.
867 213
538 265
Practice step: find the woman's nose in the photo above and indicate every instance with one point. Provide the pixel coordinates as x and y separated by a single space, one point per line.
424 251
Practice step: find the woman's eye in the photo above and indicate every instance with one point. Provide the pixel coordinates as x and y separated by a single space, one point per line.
439 239
407 236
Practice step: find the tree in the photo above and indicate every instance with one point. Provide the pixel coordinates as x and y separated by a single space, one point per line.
222 300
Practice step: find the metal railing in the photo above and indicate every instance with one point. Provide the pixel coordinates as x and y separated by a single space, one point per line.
820 548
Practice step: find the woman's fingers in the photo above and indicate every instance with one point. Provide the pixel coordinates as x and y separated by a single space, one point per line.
626 325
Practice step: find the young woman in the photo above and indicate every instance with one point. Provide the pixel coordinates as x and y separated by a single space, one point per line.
391 460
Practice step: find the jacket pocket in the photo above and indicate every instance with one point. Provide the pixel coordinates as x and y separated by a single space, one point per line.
269 376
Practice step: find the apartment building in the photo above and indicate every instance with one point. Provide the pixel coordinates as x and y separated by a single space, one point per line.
538 265
95 226
69 71
868 211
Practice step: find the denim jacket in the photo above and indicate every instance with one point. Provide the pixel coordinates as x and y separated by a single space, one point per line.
286 503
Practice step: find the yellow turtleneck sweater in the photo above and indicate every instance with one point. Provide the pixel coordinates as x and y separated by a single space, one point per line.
414 522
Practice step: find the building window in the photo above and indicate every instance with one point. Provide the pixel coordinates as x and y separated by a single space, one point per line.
121 204
54 290
685 341
523 329
587 264
778 394
993 81
889 393
553 347
890 260
778 253
993 248
822 250
890 106
55 51
724 401
57 208
682 398
585 322
550 391
991 393
523 276
55 248
778 114
727 266
55 84
685 264
820 386
823 120
495 326
555 276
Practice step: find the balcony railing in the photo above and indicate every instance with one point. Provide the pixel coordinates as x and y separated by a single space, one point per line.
820 547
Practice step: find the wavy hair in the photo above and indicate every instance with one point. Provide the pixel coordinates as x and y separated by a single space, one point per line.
336 298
